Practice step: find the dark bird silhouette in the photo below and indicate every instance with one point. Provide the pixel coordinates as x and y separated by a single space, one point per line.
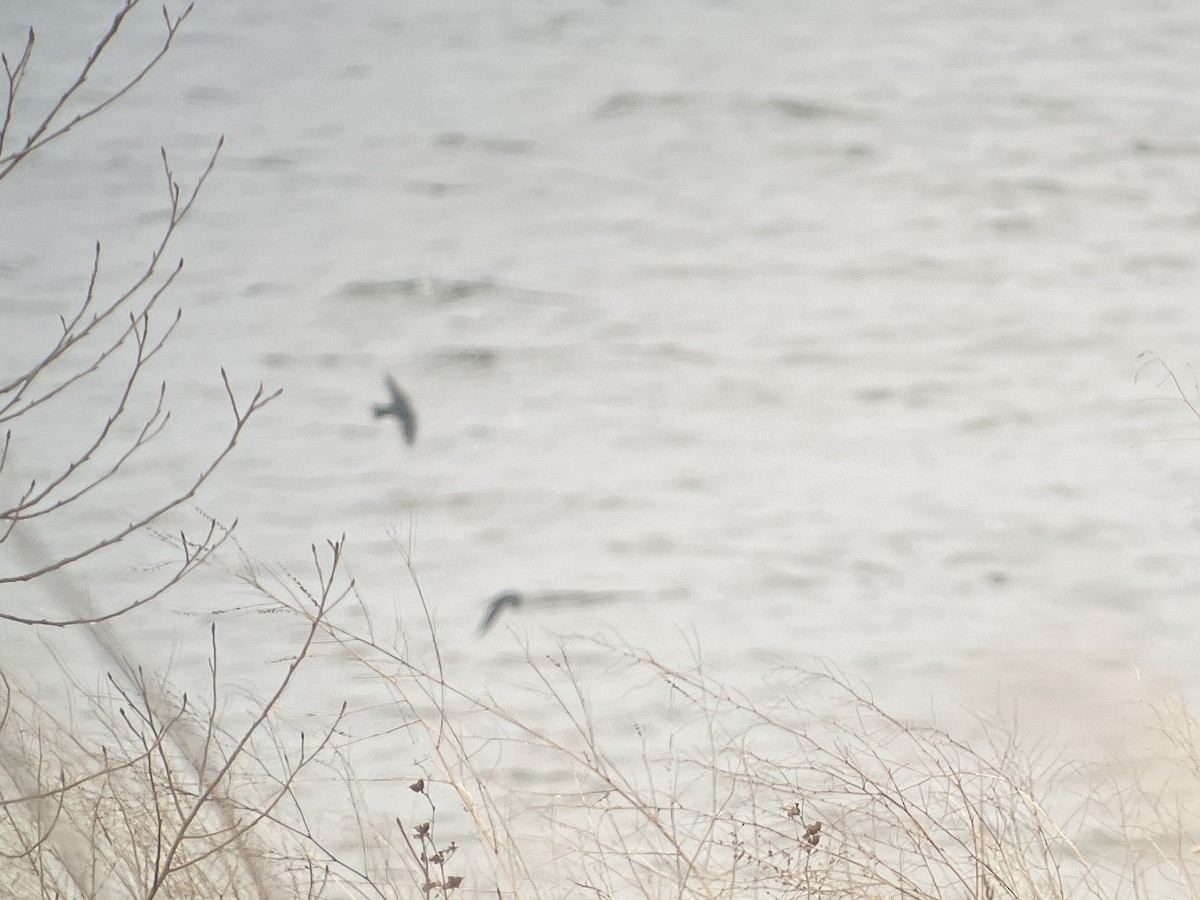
497 605
400 407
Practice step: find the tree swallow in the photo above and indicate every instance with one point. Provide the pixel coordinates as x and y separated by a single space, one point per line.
400 407
498 604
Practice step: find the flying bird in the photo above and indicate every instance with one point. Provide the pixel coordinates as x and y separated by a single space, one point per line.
497 605
400 407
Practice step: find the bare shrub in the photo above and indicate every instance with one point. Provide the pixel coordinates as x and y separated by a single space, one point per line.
814 792
114 331
129 803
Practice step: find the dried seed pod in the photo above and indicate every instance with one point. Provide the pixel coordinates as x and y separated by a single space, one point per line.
812 835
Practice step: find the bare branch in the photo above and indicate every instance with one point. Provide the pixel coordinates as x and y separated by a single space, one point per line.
169 866
72 337
48 128
14 75
70 485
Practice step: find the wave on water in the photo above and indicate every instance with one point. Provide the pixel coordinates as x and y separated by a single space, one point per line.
498 145
465 358
630 103
1169 148
435 290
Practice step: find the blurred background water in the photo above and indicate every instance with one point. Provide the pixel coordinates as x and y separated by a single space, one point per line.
792 332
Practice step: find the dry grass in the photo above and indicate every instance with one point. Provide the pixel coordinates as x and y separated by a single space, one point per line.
149 794
819 793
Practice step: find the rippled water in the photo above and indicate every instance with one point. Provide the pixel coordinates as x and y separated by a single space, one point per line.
794 331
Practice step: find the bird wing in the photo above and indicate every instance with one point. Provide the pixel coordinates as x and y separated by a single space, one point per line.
403 409
499 603
398 398
408 419
489 618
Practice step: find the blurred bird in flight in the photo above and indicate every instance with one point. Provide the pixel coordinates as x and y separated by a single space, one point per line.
498 604
401 408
